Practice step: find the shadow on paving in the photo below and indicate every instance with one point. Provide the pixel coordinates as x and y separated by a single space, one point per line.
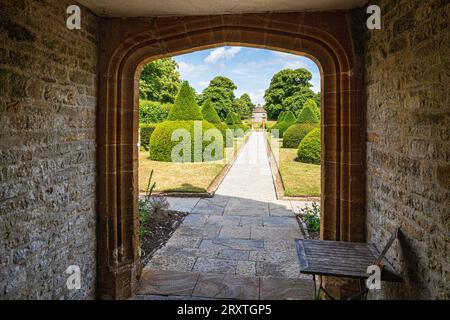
229 248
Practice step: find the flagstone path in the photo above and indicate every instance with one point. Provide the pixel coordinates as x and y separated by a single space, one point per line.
238 244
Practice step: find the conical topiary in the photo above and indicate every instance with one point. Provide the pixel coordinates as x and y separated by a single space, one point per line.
209 112
289 117
237 118
281 116
307 115
185 106
230 119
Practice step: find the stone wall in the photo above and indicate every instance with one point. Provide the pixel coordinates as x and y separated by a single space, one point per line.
408 147
48 99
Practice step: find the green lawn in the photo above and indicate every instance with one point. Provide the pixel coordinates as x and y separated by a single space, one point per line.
180 177
299 179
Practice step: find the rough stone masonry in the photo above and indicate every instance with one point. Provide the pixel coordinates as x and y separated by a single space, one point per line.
48 90
408 147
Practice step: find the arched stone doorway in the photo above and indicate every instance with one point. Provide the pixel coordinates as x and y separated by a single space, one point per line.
128 44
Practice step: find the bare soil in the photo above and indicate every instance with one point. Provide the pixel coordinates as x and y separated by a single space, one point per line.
158 232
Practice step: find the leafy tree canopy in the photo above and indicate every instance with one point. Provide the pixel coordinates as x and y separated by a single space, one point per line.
243 106
160 81
289 89
221 94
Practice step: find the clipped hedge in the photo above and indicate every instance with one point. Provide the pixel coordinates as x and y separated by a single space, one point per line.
161 144
295 133
185 106
153 111
309 148
146 130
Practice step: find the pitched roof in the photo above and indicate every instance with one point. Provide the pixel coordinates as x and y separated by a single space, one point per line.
259 109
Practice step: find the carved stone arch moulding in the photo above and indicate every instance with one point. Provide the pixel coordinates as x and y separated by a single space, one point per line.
127 44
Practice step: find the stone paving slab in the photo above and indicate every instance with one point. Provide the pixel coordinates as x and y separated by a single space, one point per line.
184 241
204 232
232 254
233 239
280 208
223 220
292 233
168 285
227 287
220 266
182 204
235 232
180 263
240 244
246 207
205 206
280 222
272 288
157 282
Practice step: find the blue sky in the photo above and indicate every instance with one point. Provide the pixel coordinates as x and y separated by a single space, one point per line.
250 69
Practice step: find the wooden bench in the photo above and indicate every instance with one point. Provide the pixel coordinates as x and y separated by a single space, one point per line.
344 259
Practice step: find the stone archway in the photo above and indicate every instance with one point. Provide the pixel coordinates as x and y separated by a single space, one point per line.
128 44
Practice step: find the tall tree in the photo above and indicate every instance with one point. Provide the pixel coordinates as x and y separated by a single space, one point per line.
160 81
289 89
221 94
243 106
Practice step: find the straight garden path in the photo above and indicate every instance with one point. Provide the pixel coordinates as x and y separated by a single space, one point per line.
238 244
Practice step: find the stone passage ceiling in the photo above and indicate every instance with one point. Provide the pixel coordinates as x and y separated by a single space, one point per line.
147 8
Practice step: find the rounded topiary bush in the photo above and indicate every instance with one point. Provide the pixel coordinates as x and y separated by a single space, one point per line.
184 116
309 148
295 133
162 146
146 130
185 106
282 127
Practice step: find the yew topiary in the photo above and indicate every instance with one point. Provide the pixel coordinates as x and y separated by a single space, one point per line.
209 112
309 148
307 115
185 106
295 133
161 144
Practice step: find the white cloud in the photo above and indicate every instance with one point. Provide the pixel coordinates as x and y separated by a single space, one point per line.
285 55
222 53
184 67
257 96
294 64
202 84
